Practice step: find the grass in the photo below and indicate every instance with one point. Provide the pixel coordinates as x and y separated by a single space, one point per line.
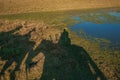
62 16
60 20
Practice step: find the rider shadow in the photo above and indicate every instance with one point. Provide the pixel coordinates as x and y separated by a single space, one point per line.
14 48
64 61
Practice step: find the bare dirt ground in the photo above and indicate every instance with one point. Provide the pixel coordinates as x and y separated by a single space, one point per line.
23 6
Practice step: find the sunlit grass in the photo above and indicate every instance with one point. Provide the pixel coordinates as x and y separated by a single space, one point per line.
61 20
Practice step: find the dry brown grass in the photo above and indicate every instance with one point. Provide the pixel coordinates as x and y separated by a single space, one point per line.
20 6
42 31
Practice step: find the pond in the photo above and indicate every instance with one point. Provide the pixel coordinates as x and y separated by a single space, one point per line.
98 24
104 25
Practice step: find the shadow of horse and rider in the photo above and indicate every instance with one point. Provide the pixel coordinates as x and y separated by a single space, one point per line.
63 61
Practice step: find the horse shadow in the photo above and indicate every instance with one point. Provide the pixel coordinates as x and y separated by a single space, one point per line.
14 48
63 60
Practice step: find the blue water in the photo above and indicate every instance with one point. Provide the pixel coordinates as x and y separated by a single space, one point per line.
107 30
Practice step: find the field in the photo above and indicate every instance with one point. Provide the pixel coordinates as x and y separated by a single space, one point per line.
36 44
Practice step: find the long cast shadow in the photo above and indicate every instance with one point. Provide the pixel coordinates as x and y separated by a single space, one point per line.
63 61
14 47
